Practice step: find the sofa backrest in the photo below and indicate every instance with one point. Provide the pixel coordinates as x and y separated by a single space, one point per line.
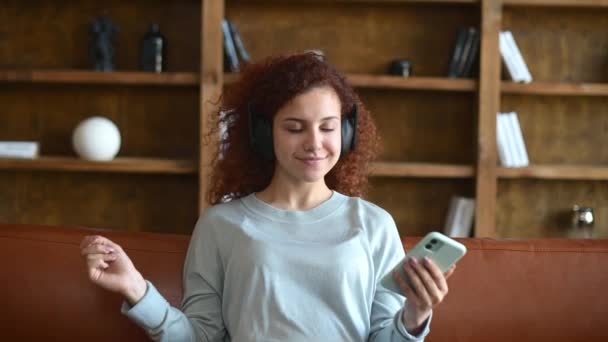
502 290
526 290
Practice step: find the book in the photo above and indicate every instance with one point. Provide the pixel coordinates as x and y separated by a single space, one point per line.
19 149
238 42
459 219
507 58
501 143
507 139
520 64
473 55
520 145
231 61
461 38
467 51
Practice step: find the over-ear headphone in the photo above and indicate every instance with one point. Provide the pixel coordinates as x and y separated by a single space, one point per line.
260 133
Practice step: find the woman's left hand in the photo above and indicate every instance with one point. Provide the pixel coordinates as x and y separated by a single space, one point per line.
429 288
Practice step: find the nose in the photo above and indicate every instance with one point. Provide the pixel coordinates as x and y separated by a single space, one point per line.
313 140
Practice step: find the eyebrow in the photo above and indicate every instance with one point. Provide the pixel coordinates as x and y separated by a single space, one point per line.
302 120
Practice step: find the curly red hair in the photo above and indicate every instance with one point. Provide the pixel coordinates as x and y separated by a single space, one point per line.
237 170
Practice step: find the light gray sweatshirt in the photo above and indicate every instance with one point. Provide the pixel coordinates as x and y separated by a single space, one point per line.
257 273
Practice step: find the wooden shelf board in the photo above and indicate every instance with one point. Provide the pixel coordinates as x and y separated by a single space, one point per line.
571 172
421 170
543 88
96 77
569 3
121 165
394 82
416 1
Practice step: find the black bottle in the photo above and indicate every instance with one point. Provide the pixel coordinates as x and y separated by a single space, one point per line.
153 50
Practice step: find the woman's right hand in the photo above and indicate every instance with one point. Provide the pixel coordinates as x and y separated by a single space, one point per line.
109 267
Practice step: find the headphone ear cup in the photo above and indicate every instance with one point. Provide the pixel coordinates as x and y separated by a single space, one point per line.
262 137
347 137
349 132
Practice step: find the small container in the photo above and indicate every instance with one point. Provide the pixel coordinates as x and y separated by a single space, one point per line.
583 220
153 50
400 67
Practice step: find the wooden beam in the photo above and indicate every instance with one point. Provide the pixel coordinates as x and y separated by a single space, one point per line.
489 104
212 67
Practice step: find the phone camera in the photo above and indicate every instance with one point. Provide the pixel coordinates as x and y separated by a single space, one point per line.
434 241
429 246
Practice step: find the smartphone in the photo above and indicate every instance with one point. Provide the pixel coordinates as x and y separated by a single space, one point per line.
443 250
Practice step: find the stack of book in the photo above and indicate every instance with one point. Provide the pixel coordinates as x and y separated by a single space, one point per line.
234 49
19 149
459 219
513 59
510 141
465 57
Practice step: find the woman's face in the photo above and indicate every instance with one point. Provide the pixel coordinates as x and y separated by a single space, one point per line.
307 135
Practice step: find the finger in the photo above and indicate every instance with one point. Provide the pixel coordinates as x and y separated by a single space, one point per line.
97 248
97 272
98 263
414 269
409 293
407 290
435 294
93 258
450 272
89 240
436 274
86 241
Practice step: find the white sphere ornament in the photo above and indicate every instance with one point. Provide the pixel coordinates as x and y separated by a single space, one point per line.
96 138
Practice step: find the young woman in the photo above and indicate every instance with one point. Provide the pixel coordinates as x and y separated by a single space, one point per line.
288 251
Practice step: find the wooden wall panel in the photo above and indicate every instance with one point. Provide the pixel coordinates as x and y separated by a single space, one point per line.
537 208
157 203
420 126
356 37
154 121
561 45
418 205
55 34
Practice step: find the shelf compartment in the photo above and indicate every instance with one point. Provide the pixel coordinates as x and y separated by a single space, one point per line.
118 165
97 77
394 82
566 172
421 170
565 89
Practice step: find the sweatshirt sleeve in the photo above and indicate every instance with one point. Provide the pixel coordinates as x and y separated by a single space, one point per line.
200 318
387 308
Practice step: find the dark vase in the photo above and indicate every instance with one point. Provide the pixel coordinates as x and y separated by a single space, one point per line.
153 50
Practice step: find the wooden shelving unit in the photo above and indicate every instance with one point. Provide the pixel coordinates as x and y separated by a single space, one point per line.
439 133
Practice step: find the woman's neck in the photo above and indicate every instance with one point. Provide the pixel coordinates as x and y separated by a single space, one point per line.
286 196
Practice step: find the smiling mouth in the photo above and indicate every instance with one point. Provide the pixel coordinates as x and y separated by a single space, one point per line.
310 159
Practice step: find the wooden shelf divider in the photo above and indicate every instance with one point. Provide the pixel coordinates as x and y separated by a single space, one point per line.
120 165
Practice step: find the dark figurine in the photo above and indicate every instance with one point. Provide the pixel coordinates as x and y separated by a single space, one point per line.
103 34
